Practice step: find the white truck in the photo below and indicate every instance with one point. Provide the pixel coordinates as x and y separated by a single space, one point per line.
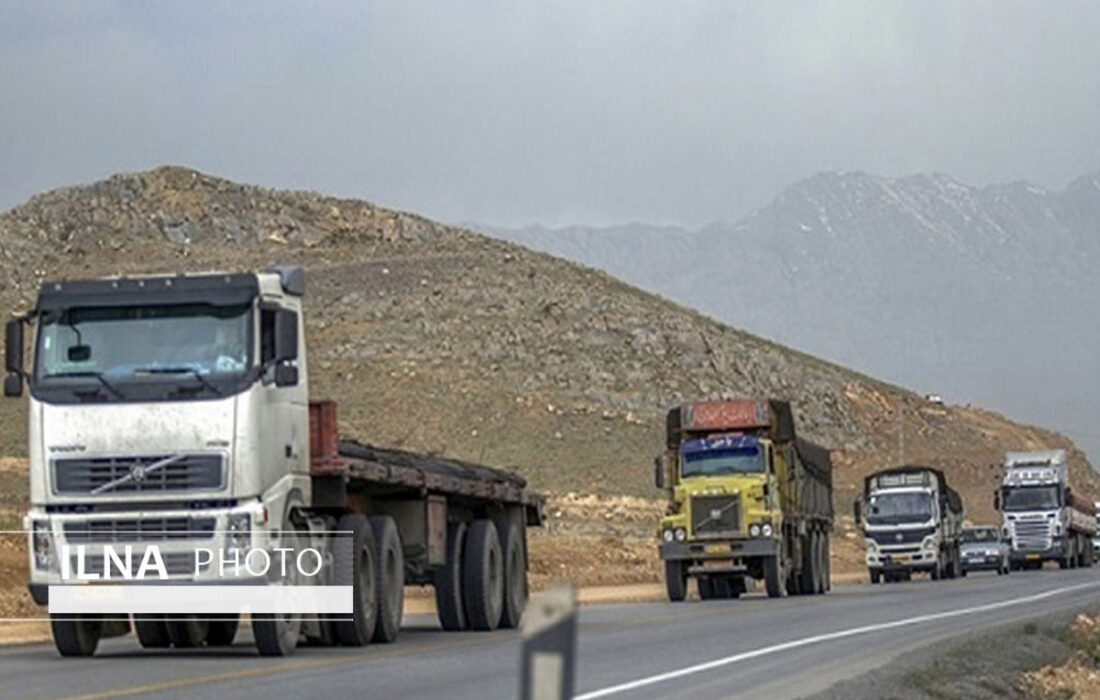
1042 518
911 521
174 411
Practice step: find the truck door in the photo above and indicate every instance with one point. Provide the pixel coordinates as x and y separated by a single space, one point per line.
286 440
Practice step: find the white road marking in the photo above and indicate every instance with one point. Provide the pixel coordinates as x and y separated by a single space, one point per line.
806 641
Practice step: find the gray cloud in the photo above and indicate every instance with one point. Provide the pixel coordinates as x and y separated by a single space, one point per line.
555 112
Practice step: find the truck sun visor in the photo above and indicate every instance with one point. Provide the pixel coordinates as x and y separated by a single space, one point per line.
217 290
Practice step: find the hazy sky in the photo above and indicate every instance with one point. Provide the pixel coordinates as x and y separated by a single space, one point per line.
554 112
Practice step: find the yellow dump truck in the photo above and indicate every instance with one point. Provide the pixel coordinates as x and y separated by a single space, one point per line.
747 498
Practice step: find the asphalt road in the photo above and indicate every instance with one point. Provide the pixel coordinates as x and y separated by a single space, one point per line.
718 649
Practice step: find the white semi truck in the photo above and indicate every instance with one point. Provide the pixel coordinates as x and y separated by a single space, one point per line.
175 411
1042 518
911 521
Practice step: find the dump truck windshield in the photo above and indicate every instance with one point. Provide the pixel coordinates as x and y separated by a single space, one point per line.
894 508
734 460
1031 498
126 343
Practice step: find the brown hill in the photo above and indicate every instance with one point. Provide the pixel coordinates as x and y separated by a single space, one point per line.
436 338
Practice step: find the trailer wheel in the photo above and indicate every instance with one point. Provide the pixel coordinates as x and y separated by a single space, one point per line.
391 578
515 576
819 562
222 630
827 554
483 576
447 581
277 635
675 580
774 582
152 631
356 563
187 631
76 635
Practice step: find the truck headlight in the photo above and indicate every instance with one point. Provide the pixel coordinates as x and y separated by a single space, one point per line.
239 531
754 530
681 534
929 542
766 530
43 545
667 535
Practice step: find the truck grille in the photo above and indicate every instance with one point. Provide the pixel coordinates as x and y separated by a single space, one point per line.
1031 534
139 530
715 516
191 473
175 564
891 537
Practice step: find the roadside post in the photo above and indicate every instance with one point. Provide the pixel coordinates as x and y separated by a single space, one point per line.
549 646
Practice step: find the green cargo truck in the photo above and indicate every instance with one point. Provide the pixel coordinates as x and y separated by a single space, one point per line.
747 498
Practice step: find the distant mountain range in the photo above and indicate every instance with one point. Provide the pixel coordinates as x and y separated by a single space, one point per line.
983 294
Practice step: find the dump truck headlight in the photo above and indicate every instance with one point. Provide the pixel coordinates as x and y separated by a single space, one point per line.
681 534
754 530
766 530
43 545
667 535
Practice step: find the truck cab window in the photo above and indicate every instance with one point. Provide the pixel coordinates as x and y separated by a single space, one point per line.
267 336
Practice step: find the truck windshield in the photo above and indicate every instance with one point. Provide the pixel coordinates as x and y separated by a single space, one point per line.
1030 498
124 343
735 460
895 508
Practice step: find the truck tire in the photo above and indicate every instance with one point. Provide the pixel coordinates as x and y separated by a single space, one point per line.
808 576
277 635
774 581
876 576
675 580
76 635
447 581
515 575
736 586
705 586
152 631
391 578
222 630
951 566
187 631
820 563
827 554
483 576
356 563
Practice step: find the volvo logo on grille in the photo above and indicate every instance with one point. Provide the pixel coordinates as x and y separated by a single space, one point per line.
716 514
137 474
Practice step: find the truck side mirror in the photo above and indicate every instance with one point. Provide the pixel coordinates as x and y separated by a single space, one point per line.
659 472
13 358
13 347
857 510
286 375
286 335
996 500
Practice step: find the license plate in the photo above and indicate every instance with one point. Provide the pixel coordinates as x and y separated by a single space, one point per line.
901 557
1033 556
717 564
717 549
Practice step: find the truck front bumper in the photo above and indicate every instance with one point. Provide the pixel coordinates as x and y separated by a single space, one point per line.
910 559
719 556
178 536
1021 556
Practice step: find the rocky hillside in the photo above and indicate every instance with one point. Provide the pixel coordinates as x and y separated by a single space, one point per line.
440 339
978 293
